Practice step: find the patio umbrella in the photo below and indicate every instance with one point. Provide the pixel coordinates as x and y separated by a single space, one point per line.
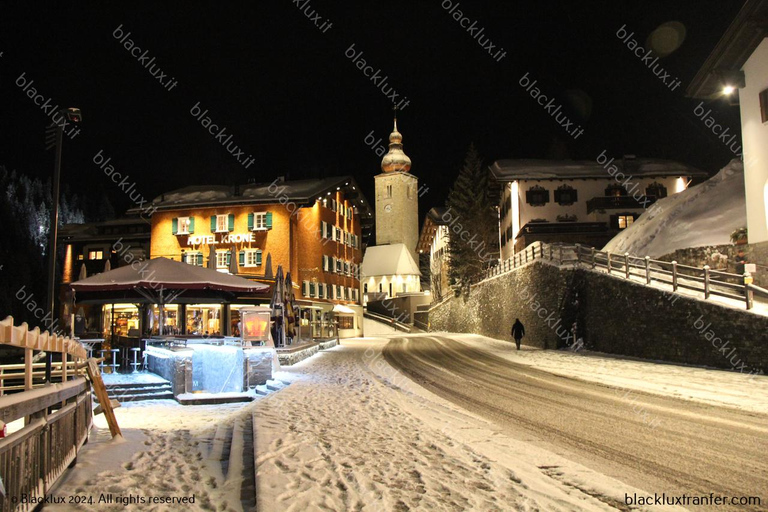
233 261
268 267
212 257
107 266
83 272
290 314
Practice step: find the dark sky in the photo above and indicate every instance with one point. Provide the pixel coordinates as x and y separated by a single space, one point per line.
290 97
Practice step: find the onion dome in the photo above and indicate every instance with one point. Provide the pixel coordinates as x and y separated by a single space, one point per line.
395 160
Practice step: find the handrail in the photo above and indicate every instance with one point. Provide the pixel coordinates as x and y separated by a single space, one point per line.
709 281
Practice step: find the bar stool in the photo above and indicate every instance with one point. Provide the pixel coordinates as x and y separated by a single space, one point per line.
103 357
135 362
114 365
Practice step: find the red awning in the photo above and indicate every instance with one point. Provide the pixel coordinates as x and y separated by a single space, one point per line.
162 273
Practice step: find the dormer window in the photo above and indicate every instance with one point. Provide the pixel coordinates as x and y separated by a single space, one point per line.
537 196
565 195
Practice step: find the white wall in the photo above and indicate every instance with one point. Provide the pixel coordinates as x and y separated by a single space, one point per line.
586 189
754 135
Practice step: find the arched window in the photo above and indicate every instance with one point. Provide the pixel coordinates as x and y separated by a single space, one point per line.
537 196
657 190
565 195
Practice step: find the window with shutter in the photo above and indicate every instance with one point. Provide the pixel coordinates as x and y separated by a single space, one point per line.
213 223
312 287
241 258
268 220
305 288
175 226
323 229
250 222
231 222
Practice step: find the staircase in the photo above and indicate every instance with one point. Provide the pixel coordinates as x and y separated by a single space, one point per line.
135 392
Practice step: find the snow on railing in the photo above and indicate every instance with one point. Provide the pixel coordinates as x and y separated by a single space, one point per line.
642 270
34 340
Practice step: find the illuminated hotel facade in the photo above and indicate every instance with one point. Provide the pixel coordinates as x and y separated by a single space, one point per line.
315 229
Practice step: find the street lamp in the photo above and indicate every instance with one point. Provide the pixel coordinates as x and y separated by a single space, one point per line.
55 136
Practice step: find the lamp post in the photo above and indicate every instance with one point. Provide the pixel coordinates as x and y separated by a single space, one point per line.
55 136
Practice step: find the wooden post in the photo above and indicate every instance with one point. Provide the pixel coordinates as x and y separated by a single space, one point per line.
706 281
748 293
28 353
647 270
674 276
101 394
626 265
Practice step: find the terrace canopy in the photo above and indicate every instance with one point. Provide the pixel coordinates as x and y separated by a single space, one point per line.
161 281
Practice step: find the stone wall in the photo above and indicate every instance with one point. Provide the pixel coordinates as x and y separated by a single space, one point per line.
723 257
613 316
536 294
626 318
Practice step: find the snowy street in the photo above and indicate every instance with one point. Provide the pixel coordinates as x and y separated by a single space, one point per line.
489 432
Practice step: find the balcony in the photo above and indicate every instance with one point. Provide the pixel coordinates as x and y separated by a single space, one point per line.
619 203
563 227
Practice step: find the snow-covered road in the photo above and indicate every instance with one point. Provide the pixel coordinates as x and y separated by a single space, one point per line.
351 432
658 443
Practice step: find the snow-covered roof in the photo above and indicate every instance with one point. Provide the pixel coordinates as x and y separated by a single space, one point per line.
162 273
300 191
705 214
389 260
510 170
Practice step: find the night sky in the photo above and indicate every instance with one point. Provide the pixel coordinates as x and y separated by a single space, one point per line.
290 97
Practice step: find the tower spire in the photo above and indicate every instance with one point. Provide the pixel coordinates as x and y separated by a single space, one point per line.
395 160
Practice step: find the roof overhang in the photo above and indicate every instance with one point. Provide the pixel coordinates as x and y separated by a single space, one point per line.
723 66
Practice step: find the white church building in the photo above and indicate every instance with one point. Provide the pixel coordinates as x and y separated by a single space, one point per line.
390 267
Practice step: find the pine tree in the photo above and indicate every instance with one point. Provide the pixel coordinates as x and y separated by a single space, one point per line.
473 234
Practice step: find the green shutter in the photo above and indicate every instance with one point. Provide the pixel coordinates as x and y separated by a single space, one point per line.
175 225
191 225
229 257
250 222
199 259
258 256
241 258
269 220
213 223
231 221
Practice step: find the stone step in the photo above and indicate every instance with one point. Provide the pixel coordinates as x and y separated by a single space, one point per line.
136 398
138 390
137 385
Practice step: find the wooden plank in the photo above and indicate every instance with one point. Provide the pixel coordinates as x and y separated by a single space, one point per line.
27 403
101 393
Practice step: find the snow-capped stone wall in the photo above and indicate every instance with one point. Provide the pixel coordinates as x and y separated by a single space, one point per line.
611 315
535 294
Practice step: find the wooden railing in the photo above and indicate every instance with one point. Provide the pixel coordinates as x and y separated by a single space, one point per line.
710 282
49 424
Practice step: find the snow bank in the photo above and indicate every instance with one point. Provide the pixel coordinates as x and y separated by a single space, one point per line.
706 214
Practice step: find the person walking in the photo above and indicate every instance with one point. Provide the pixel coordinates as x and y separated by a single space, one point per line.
518 331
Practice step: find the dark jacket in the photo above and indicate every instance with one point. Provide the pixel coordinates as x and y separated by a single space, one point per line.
518 331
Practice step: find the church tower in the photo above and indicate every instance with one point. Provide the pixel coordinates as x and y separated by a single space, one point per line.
397 198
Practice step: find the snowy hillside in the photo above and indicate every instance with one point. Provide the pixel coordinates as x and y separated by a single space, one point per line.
705 214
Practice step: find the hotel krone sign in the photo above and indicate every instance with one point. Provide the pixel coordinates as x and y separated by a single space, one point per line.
220 238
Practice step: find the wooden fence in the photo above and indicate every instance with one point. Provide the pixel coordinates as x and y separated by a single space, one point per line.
710 282
56 418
